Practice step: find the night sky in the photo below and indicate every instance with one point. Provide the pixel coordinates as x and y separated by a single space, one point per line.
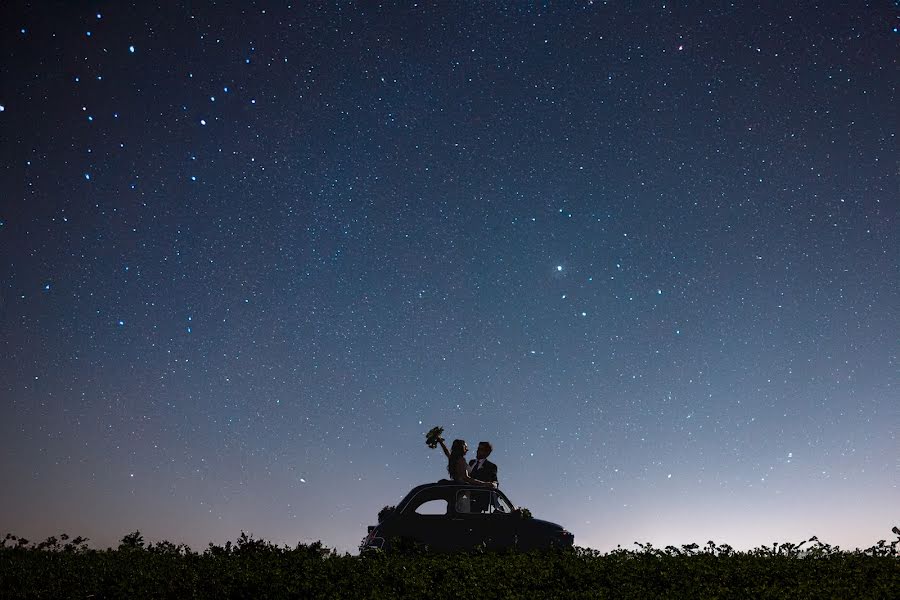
249 256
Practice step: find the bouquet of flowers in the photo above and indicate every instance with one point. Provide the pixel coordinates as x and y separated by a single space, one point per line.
434 436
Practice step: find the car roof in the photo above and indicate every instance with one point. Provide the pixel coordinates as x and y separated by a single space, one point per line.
443 483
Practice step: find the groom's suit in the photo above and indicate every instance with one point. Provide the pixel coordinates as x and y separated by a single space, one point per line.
486 471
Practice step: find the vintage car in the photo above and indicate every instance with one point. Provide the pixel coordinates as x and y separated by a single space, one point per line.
448 516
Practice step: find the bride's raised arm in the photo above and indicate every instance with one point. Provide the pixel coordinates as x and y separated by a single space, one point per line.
444 447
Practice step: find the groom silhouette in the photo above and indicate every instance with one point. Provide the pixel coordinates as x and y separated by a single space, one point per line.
484 470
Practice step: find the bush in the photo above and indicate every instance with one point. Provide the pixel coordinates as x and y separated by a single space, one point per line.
251 568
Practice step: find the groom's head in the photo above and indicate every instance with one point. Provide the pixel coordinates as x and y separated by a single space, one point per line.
484 450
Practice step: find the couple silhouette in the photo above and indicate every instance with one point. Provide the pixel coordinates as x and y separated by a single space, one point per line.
477 472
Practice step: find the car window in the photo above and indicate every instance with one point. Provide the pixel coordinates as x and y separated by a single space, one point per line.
464 501
437 506
481 501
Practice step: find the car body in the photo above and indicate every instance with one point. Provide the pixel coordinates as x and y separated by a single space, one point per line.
448 516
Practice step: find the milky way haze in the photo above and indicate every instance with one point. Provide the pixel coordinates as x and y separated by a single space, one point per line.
250 256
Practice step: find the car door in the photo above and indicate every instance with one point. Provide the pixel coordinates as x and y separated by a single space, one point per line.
481 516
426 520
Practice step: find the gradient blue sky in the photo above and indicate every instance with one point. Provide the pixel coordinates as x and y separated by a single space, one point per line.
250 256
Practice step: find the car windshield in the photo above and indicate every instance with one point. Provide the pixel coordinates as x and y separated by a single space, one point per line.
499 504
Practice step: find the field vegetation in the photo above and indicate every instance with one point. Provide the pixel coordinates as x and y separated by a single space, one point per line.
249 568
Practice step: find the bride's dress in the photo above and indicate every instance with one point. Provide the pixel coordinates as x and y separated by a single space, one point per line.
463 501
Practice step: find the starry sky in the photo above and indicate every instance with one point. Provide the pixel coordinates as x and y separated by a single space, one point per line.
251 253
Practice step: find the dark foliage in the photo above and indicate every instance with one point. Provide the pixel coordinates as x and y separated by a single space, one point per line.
249 568
385 512
522 513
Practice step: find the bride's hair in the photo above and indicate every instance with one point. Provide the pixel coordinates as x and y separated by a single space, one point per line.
457 451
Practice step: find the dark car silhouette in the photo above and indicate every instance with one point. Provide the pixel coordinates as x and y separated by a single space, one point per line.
448 516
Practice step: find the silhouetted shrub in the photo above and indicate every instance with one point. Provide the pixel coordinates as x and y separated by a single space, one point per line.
252 568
